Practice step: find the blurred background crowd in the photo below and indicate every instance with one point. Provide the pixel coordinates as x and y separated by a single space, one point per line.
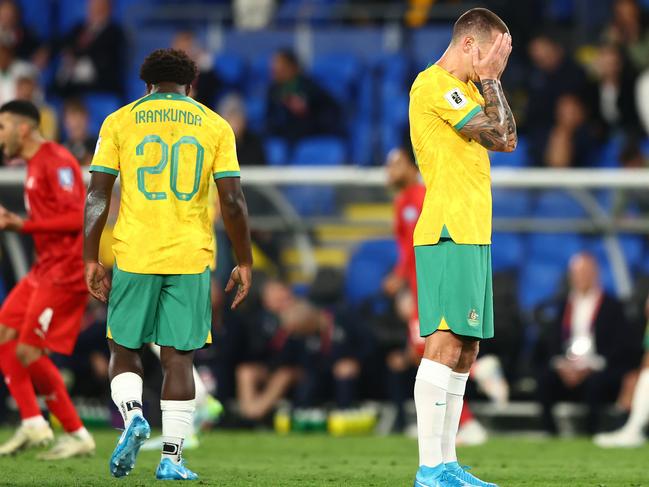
325 82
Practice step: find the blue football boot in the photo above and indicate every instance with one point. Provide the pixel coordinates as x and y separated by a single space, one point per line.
123 458
462 474
437 476
168 470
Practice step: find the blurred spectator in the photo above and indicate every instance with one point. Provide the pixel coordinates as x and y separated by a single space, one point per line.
628 30
207 84
552 75
296 106
27 88
92 54
612 95
253 14
334 349
78 139
570 141
586 350
268 368
25 41
250 148
11 69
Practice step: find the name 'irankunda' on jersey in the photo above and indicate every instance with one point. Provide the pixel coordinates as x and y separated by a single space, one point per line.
167 148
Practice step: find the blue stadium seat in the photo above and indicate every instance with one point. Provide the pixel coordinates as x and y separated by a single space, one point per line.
507 251
609 153
558 204
356 40
394 118
100 105
230 68
338 73
633 247
38 15
554 248
319 151
311 200
511 203
361 141
276 151
256 113
370 262
538 281
70 13
428 44
518 158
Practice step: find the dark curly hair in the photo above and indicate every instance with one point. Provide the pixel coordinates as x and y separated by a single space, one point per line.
168 65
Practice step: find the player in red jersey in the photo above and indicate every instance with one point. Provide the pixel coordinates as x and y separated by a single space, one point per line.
403 176
42 314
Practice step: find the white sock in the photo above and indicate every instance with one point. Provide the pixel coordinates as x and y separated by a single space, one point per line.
430 401
177 419
81 434
454 403
126 391
201 390
640 405
35 422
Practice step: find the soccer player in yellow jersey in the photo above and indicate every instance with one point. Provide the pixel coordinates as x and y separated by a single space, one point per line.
452 126
166 148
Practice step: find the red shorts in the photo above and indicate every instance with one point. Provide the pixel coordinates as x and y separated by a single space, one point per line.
47 317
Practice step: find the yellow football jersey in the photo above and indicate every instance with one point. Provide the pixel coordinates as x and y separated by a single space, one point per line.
455 169
166 148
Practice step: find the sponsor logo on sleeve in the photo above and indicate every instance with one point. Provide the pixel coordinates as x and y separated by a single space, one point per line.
66 178
456 98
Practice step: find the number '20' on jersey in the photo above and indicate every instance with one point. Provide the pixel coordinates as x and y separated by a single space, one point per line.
166 149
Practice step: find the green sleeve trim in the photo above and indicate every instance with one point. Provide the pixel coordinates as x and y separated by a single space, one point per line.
467 117
107 170
227 174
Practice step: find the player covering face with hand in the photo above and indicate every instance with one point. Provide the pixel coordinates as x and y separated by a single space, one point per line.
167 148
452 126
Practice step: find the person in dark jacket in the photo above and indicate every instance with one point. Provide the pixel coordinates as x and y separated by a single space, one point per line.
297 106
585 351
250 148
92 54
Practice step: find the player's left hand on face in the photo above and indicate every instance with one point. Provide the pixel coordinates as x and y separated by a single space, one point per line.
241 277
97 281
10 221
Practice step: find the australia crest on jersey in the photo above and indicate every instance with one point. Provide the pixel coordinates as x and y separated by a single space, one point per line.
473 319
66 178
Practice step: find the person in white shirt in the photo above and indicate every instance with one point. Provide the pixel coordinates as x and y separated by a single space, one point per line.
586 350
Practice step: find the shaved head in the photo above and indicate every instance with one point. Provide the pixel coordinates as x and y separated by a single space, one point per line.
479 23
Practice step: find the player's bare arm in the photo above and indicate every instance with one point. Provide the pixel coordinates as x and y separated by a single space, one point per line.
234 212
10 221
494 127
96 213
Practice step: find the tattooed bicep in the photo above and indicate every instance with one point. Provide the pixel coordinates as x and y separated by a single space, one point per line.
485 131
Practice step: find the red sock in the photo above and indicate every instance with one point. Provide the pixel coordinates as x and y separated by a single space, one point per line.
18 381
466 415
48 382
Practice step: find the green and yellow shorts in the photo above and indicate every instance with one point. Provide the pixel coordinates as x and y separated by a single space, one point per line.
646 339
172 310
454 289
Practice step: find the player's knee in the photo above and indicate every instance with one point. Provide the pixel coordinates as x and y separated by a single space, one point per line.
7 334
27 354
174 359
444 348
346 369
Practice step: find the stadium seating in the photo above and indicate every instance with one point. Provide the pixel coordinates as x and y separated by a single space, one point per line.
319 151
539 281
100 105
558 204
507 251
277 153
511 203
338 73
518 158
311 201
230 68
369 264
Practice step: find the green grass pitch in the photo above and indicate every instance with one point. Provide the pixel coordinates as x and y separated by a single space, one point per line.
265 459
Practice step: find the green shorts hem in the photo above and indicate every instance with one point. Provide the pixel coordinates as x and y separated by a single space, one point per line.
455 289
171 310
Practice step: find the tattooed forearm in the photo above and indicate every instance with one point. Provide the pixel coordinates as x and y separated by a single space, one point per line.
494 127
96 213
